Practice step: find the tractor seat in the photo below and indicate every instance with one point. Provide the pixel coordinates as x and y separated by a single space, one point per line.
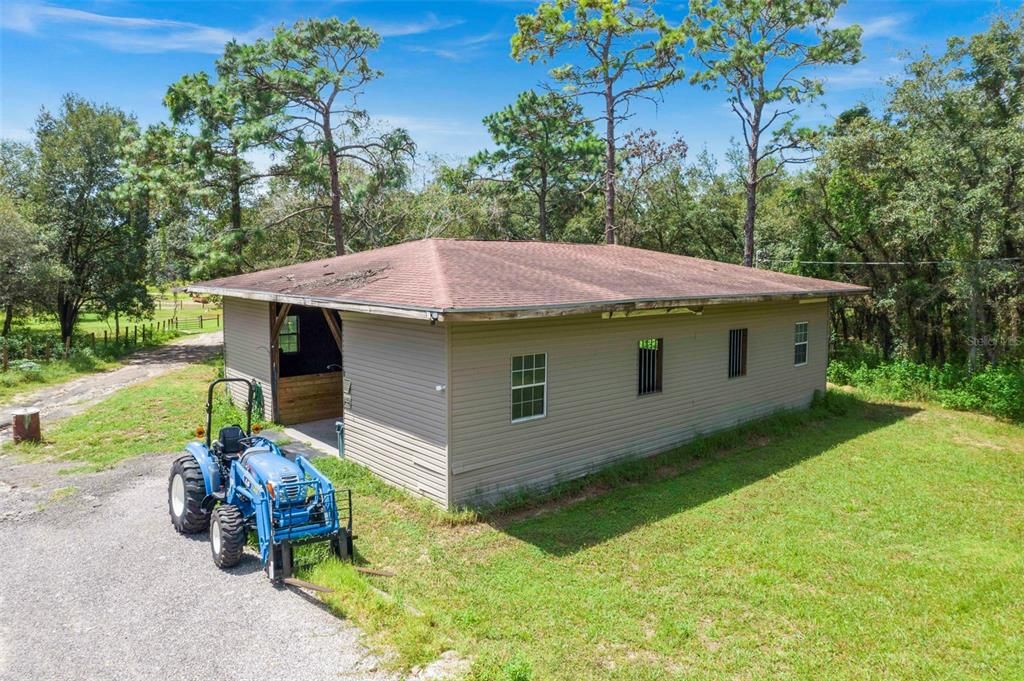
230 440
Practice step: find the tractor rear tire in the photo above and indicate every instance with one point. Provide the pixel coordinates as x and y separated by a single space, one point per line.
185 493
227 535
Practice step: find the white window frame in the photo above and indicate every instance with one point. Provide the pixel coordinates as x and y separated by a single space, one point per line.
807 336
513 387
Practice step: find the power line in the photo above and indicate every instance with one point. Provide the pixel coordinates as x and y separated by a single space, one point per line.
889 263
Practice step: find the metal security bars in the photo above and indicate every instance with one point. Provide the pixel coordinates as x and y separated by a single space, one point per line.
800 343
529 387
737 352
649 366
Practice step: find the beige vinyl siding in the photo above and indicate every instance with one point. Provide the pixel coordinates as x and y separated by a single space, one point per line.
247 348
397 423
594 414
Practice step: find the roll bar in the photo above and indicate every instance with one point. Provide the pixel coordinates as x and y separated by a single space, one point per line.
248 406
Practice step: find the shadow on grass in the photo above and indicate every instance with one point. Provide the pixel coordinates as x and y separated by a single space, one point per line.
609 503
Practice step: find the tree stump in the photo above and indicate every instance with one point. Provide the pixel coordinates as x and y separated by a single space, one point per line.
25 424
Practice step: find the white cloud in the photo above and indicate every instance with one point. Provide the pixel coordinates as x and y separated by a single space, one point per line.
855 77
891 26
460 49
123 34
144 35
427 25
452 138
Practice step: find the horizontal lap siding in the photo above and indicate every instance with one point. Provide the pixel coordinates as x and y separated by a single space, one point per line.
397 423
309 398
247 347
594 415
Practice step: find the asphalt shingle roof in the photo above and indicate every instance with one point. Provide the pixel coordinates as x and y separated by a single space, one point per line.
447 276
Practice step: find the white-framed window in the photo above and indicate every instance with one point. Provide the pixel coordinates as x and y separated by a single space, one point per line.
529 387
800 344
288 338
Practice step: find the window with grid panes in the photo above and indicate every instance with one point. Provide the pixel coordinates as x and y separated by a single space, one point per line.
288 338
800 343
529 386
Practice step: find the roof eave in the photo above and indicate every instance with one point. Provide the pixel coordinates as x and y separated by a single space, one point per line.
406 311
539 311
517 312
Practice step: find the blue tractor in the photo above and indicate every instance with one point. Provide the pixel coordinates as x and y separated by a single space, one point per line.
243 482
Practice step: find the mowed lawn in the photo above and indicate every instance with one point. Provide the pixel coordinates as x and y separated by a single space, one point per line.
159 415
856 540
887 541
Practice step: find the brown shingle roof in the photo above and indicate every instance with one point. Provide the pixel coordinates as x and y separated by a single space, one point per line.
446 276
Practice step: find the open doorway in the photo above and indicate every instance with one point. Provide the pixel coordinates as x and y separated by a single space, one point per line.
308 365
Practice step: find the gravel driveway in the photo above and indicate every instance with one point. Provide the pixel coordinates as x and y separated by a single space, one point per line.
97 585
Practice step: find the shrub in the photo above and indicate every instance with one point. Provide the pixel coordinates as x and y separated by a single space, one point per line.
995 390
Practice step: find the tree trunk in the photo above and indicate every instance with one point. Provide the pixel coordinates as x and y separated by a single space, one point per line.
609 168
751 186
67 315
337 228
542 206
236 194
974 305
8 320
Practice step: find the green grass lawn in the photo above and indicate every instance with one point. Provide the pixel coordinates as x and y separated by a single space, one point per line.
857 540
59 370
166 306
159 415
885 541
54 371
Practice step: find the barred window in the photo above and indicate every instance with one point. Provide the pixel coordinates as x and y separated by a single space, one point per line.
529 386
737 352
649 366
800 343
288 338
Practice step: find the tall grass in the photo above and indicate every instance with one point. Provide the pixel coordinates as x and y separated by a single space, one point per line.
995 390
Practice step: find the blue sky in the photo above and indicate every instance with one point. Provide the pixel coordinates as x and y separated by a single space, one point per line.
446 64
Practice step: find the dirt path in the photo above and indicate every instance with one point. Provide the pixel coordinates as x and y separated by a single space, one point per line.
65 399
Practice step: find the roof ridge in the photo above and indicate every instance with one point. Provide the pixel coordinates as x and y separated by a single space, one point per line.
440 274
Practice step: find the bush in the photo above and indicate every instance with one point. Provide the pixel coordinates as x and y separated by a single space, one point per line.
26 366
995 390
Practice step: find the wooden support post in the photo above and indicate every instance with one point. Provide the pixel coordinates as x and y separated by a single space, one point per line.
104 338
333 325
25 425
92 339
200 321
276 322
279 321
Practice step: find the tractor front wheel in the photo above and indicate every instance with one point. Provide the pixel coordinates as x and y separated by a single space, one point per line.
185 493
227 535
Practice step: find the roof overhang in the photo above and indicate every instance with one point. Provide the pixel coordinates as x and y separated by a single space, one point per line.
612 309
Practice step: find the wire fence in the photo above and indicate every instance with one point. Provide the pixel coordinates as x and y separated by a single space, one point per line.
47 347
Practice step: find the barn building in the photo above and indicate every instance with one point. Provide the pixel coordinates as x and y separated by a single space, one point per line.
465 370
